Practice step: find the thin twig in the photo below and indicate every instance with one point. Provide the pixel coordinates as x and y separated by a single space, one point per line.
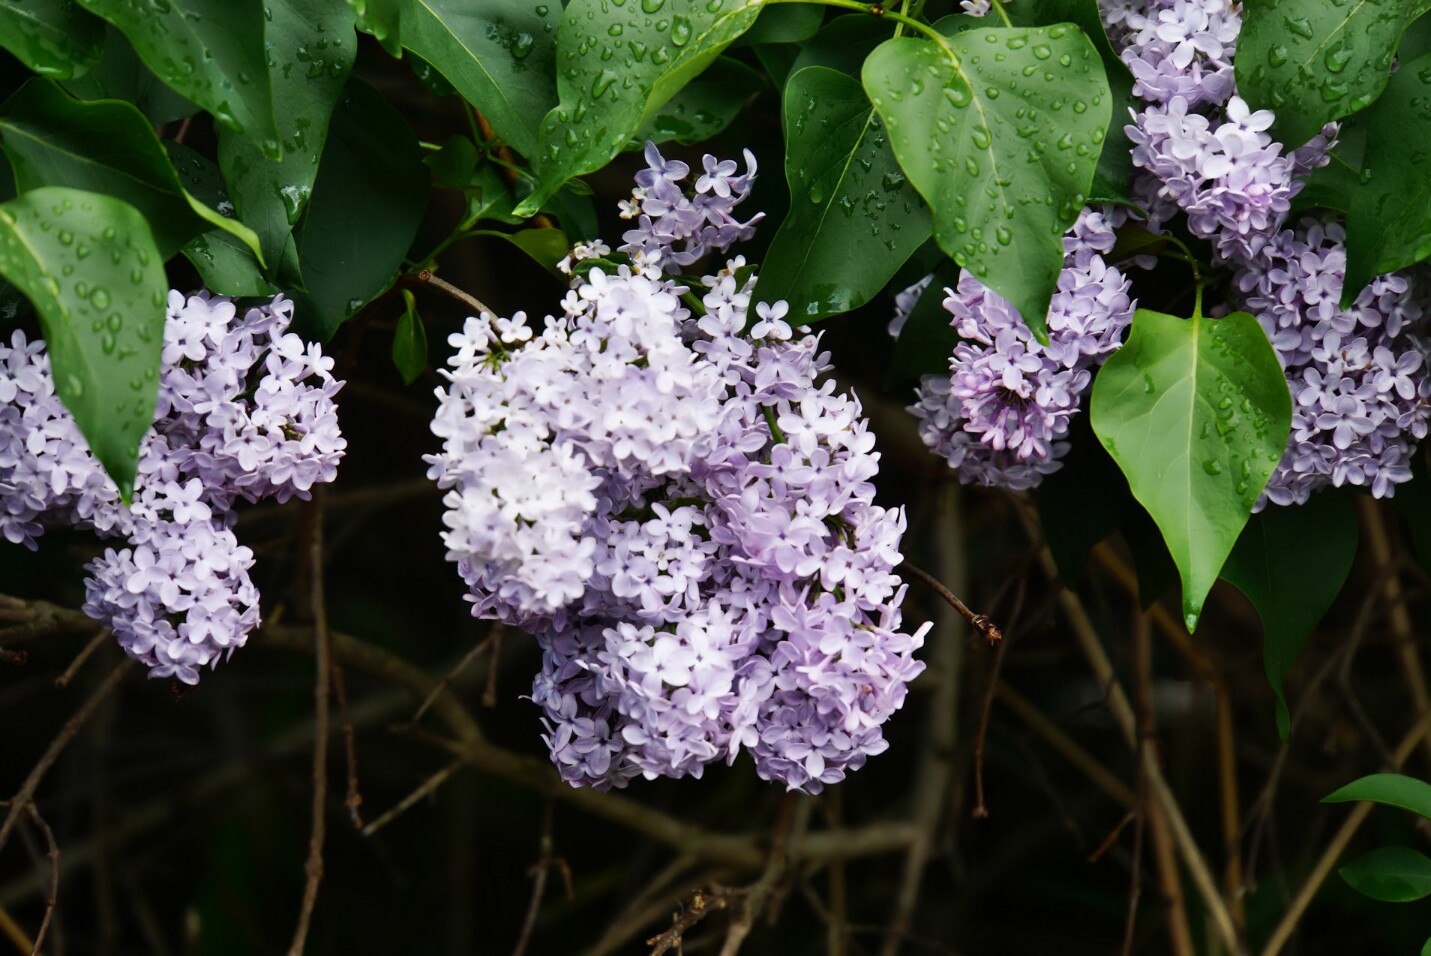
95 643
838 941
313 867
1169 881
26 794
539 884
759 892
979 622
407 802
353 800
52 853
429 278
1338 843
701 904
15 933
489 693
1117 701
1402 629
441 686
934 771
1068 748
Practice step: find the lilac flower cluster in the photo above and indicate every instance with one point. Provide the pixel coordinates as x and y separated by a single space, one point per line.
675 229
683 516
1358 402
999 418
1357 375
245 411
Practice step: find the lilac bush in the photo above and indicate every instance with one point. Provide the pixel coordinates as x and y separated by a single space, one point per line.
245 412
663 492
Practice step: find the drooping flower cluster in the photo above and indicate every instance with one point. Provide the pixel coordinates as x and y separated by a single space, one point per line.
683 516
1356 375
999 418
245 411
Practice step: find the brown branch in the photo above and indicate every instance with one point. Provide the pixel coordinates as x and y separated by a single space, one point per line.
1068 748
1165 865
979 622
26 794
409 801
428 278
22 621
539 884
441 686
353 799
934 772
16 934
52 853
313 867
756 895
701 904
95 643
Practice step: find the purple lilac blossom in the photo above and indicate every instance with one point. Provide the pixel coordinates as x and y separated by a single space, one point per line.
1356 375
682 514
1001 416
245 411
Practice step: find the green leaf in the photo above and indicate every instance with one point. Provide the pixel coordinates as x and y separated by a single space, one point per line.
106 147
225 264
546 246
499 54
212 51
1426 948
1005 174
410 342
1291 562
453 165
619 66
52 37
1196 413
367 202
843 43
1115 164
785 23
383 19
854 218
704 108
1392 874
1389 207
1313 62
1390 789
121 75
311 47
89 265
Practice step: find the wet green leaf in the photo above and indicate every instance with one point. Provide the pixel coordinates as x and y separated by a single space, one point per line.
1312 61
704 108
311 46
225 264
106 147
499 54
854 218
618 66
383 19
367 202
55 38
212 51
121 75
89 265
1196 413
1000 131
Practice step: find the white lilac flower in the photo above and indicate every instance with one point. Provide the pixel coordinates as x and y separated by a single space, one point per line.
245 411
681 513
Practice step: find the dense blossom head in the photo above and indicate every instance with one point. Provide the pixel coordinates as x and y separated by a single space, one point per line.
1356 375
245 411
681 512
1001 415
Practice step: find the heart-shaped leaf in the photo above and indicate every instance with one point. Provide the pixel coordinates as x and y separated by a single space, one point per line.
1000 130
1196 413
